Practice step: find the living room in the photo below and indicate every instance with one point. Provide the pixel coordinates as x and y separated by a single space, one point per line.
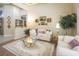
37 26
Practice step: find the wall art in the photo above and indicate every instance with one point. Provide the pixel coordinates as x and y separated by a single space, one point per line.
9 22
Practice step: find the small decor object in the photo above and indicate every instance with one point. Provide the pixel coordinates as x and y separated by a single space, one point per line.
9 21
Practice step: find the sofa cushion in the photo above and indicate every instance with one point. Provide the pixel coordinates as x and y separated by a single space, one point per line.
73 43
44 35
33 33
76 48
63 44
67 39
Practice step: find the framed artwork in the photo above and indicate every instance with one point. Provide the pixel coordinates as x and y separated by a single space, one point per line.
42 23
42 18
48 19
24 23
23 17
19 23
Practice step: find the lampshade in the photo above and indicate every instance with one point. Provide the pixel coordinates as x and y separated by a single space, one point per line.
57 25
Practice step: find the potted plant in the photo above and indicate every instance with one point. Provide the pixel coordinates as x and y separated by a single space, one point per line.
67 22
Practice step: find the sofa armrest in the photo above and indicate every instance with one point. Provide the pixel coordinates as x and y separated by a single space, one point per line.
64 44
66 52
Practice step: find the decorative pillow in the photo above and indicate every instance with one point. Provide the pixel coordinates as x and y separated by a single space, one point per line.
73 43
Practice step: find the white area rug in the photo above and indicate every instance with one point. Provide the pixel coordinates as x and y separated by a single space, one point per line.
18 48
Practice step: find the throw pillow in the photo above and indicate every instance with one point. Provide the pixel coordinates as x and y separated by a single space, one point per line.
73 43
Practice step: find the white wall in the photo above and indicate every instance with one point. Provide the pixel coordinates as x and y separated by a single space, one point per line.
15 13
53 11
8 11
50 10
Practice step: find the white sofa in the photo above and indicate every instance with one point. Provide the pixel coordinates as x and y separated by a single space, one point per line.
42 34
64 49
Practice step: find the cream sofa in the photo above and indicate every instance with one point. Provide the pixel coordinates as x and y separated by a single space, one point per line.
64 49
42 34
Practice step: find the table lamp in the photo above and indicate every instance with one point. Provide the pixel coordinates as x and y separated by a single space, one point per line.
57 27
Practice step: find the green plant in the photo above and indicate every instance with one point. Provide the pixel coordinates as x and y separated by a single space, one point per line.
68 21
27 32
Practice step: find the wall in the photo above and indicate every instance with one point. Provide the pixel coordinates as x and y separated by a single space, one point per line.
50 10
8 11
77 11
15 13
53 11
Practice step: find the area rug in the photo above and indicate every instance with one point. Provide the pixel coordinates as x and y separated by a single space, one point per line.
18 48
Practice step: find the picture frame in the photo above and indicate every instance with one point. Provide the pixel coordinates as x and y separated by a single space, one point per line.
42 23
42 18
19 23
24 24
48 19
23 17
